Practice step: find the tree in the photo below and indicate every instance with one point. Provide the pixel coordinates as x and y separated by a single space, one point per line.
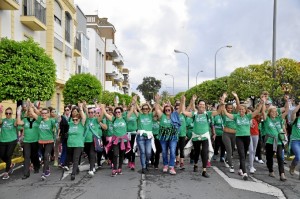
108 98
149 87
26 71
165 96
82 87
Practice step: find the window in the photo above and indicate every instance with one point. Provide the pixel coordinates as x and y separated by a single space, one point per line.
68 27
57 13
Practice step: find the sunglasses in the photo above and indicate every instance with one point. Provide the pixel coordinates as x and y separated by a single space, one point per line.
145 109
167 110
90 112
75 120
53 111
8 113
67 109
118 112
43 113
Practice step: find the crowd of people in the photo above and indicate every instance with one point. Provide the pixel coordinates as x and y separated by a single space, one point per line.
116 133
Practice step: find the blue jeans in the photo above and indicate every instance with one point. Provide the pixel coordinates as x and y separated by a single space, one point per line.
165 145
63 155
145 148
295 146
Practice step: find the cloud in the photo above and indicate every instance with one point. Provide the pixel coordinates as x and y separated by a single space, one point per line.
149 31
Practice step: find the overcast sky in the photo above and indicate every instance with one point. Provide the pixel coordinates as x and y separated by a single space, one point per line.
148 31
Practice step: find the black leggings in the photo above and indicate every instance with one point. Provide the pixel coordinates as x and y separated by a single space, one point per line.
258 148
6 152
31 153
118 153
46 152
89 149
270 155
155 156
219 144
204 152
73 154
180 147
242 143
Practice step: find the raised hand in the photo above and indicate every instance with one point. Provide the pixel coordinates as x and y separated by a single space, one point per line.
194 97
234 94
19 110
224 96
157 98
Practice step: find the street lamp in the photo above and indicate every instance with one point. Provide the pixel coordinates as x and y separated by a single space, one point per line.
201 71
173 80
228 46
177 51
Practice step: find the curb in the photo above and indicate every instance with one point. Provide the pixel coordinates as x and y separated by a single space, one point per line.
14 160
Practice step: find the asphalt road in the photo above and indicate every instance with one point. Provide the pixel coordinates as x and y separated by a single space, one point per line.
155 184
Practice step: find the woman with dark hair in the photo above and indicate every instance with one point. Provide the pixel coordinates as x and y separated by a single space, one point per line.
201 132
8 140
30 142
47 129
119 138
295 138
155 130
168 135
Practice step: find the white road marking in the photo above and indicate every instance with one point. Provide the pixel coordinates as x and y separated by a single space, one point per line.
257 186
143 186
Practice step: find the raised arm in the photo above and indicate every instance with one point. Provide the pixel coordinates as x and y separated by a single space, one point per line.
157 106
182 105
82 114
33 113
237 100
109 117
286 107
19 121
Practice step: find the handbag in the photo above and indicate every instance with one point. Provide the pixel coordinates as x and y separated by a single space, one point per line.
98 144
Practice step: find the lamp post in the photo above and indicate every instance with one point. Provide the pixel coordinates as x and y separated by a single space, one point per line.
228 46
173 80
177 51
201 71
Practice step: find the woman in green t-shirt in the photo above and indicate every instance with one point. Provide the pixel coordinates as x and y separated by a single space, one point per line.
243 122
30 142
168 135
8 140
155 130
295 138
47 128
75 142
273 124
119 138
182 138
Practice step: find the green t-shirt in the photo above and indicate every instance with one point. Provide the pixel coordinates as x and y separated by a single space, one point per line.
76 135
110 129
145 121
242 124
119 127
31 132
46 129
132 125
8 130
218 124
229 123
165 122
91 123
272 128
182 130
155 127
201 123
296 130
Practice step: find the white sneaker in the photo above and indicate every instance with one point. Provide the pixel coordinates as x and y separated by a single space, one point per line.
91 173
260 161
240 172
252 170
256 159
94 170
231 170
245 176
125 161
66 168
226 164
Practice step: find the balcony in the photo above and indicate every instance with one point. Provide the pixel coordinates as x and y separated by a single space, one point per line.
110 69
119 77
9 5
111 48
77 45
119 61
125 85
34 15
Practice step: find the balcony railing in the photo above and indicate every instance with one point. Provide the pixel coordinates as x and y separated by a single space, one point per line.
34 8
